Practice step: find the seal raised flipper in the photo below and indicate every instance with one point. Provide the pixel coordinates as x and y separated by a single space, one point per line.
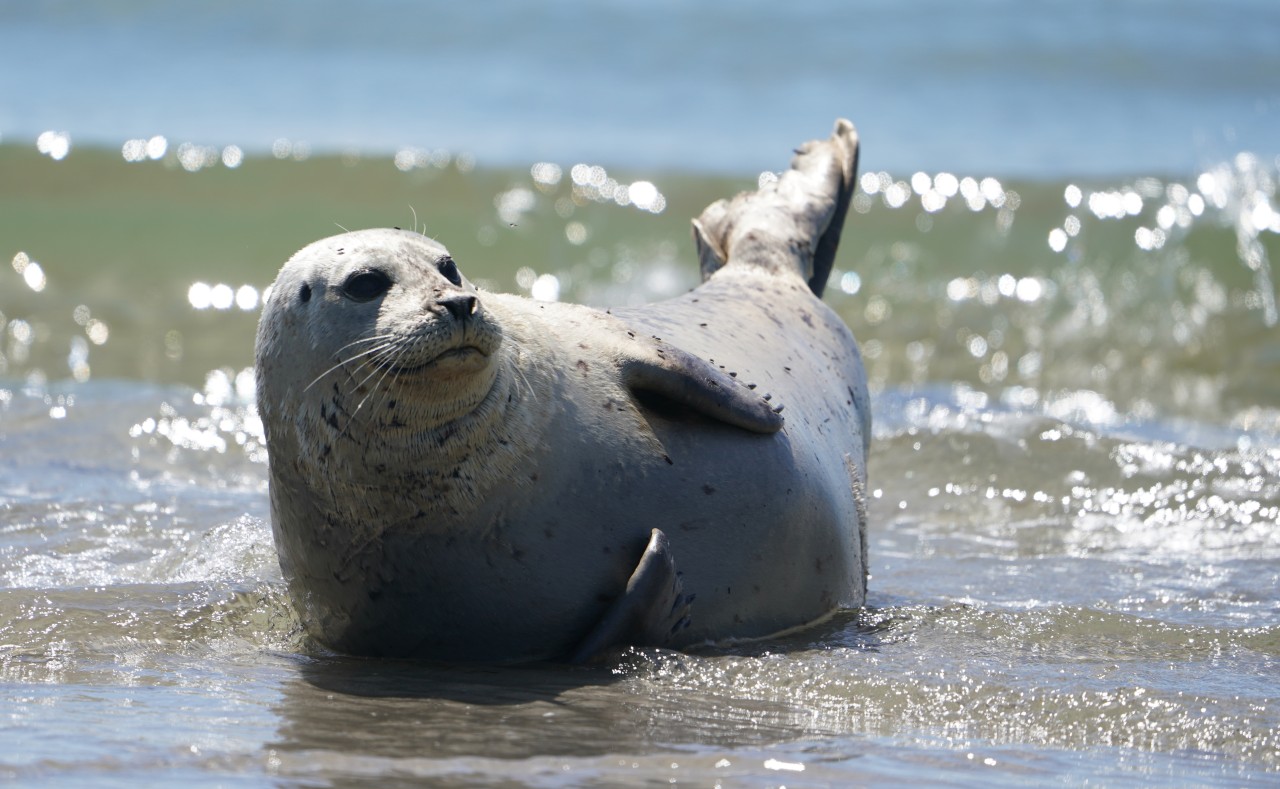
845 138
669 372
793 222
651 609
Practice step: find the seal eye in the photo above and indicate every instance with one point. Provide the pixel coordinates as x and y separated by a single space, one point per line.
366 285
304 293
450 271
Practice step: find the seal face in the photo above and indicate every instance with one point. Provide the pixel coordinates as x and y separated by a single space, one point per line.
466 475
376 307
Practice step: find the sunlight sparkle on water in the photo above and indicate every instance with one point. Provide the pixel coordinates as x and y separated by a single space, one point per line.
791 767
54 144
232 156
134 150
513 203
78 359
645 196
97 331
934 193
30 271
992 192
407 159
284 148
593 182
873 183
247 297
1149 239
221 296
1115 204
1028 289
576 233
1025 289
897 194
932 201
139 150
33 275
546 174
194 158
545 288
946 184
157 147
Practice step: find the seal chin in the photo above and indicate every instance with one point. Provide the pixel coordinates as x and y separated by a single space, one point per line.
463 359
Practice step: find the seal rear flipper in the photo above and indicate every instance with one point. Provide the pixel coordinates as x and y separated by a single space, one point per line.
707 232
790 224
693 383
845 139
650 611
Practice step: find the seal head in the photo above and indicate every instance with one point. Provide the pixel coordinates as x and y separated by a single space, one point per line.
375 307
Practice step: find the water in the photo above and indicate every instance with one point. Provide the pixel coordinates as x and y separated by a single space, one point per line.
1083 87
1075 364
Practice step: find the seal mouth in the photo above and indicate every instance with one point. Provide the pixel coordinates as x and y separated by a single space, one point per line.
461 355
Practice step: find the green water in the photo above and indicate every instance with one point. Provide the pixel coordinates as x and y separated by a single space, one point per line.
128 240
1185 330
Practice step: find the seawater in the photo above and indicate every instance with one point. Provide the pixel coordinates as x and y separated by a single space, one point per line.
1075 488
1086 87
1073 350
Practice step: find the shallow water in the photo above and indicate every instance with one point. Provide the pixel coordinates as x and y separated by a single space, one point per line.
1040 610
1075 489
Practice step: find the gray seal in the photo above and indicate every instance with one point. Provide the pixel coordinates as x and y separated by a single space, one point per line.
472 476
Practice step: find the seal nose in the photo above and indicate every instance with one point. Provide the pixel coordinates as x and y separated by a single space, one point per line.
461 306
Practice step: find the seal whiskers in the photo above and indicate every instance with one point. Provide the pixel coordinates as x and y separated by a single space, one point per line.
344 362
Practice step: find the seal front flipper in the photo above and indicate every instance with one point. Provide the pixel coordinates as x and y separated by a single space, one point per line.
652 609
693 383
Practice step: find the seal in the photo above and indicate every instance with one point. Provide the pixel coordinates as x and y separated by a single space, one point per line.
472 476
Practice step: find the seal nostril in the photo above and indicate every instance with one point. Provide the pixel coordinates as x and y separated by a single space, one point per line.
461 307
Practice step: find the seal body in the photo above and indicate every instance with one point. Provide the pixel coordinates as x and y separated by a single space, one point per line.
464 475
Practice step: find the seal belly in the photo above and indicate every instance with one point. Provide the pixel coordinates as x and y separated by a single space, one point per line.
763 534
766 532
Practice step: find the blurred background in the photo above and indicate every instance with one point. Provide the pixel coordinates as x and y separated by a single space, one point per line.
160 161
1090 87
